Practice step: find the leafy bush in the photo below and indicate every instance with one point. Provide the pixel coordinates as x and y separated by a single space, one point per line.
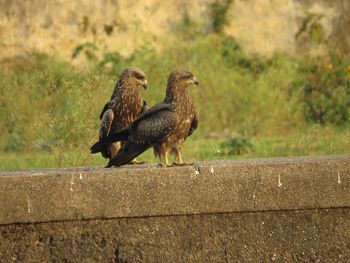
235 146
326 90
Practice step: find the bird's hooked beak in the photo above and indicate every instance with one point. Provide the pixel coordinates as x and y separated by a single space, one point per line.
145 84
195 81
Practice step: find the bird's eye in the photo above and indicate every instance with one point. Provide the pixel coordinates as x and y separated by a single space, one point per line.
139 76
188 75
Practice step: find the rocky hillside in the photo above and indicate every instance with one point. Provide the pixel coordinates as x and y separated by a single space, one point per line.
260 26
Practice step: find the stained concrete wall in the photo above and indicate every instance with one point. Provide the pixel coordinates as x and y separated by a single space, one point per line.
283 210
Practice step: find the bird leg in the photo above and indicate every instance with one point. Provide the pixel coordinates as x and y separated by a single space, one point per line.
179 158
179 161
165 160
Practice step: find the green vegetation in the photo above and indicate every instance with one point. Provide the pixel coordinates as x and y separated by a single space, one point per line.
249 106
326 93
218 14
312 28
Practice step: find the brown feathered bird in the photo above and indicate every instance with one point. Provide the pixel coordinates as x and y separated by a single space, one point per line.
164 126
125 105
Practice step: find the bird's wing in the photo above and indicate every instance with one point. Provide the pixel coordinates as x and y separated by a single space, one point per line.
194 123
103 110
106 123
154 124
153 110
154 127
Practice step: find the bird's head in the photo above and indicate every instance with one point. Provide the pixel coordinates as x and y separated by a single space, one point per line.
135 76
182 78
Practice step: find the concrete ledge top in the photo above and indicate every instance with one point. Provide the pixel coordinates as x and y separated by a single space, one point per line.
147 190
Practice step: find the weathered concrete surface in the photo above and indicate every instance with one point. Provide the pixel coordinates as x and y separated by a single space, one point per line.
276 236
222 186
282 210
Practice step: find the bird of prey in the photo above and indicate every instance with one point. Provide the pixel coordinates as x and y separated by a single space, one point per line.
123 108
164 126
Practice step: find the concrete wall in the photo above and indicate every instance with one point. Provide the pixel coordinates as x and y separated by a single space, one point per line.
262 26
265 210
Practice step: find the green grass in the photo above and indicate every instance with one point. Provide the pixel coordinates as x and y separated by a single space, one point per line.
312 141
49 109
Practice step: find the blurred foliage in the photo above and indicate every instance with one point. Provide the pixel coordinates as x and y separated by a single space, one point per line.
326 90
236 57
312 27
86 27
310 140
89 50
218 13
48 106
237 145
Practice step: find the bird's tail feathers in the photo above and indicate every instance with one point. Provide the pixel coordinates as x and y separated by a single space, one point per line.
127 155
121 135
